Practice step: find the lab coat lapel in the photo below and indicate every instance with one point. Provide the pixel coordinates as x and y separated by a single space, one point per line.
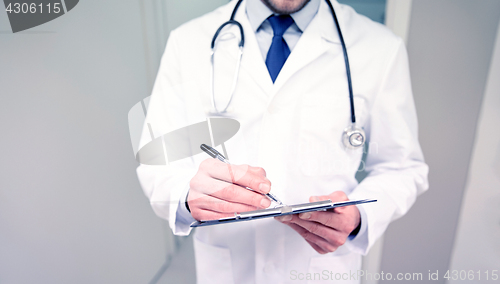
318 37
252 61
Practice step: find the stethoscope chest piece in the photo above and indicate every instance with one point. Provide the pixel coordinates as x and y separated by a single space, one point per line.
353 137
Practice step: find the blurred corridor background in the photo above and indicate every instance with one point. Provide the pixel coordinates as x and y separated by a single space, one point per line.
72 210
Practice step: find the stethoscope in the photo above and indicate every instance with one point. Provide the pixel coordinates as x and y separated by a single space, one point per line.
353 136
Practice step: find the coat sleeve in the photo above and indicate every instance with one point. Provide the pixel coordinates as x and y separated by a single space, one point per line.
166 186
395 163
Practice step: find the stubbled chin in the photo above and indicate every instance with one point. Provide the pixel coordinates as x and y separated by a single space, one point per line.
285 6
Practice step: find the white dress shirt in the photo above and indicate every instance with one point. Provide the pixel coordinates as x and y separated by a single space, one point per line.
258 13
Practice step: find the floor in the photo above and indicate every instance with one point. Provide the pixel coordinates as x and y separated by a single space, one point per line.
182 268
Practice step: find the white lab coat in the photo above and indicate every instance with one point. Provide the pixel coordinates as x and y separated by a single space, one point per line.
293 130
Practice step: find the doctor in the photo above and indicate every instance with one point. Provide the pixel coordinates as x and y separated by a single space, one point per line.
292 101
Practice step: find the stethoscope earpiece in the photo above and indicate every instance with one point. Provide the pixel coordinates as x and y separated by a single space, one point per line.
353 137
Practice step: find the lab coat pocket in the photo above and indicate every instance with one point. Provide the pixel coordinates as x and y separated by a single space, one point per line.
335 269
213 264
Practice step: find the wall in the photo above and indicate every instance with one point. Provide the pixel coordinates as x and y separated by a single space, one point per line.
477 245
159 17
373 9
450 47
71 208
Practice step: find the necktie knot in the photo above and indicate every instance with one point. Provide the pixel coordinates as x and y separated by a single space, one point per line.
280 24
279 50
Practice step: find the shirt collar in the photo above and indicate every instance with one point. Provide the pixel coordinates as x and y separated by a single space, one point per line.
258 12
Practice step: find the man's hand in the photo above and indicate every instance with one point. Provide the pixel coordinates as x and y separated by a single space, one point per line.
218 190
325 231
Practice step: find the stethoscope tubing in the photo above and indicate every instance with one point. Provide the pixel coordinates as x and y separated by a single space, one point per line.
353 128
233 86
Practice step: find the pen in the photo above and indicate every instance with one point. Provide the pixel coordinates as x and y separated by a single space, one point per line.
216 155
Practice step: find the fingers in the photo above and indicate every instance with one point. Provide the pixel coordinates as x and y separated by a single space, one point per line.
217 190
317 248
217 205
324 245
344 221
236 193
336 196
329 219
207 215
244 175
301 231
211 208
333 237
230 192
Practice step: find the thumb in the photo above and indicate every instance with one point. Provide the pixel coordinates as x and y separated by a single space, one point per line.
327 197
339 210
318 198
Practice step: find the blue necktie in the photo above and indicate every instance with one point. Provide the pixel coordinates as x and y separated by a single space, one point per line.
279 51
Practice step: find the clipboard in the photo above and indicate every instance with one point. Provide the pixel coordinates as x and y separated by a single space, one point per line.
280 211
